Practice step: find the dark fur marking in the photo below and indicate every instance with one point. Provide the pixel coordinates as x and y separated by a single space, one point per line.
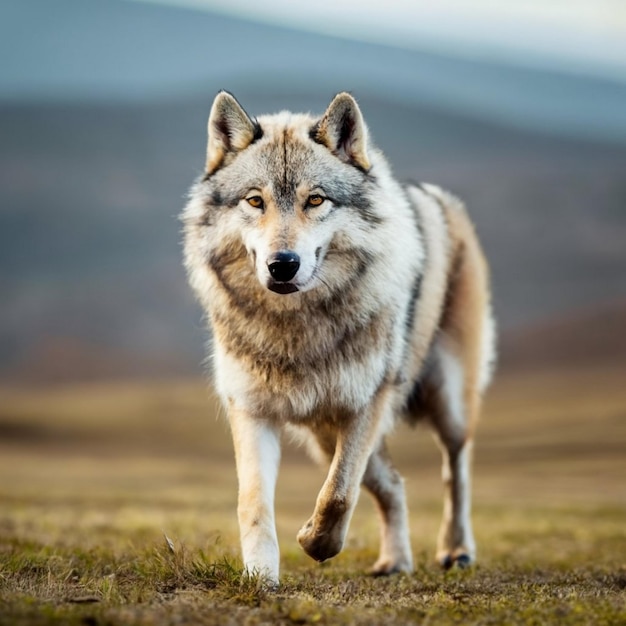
284 186
206 220
224 130
417 219
409 322
451 281
346 129
362 207
415 399
337 299
418 402
216 198
325 217
219 263
314 133
399 379
440 204
357 342
258 132
345 197
442 208
235 298
456 262
348 124
367 214
285 162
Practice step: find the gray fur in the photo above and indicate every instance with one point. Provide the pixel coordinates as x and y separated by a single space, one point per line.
375 326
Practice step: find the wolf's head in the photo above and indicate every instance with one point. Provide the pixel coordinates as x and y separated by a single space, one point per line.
291 189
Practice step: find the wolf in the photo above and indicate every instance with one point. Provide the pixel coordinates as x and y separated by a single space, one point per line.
339 301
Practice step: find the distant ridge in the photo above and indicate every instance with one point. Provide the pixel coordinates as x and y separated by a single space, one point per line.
90 241
120 51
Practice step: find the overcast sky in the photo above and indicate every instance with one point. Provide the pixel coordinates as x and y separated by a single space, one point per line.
576 35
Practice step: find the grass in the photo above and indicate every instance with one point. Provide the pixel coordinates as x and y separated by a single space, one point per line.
117 506
140 584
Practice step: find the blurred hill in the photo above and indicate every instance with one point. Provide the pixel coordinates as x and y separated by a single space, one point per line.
584 338
93 174
121 51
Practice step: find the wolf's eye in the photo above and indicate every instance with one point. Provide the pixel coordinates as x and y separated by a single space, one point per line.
255 201
315 200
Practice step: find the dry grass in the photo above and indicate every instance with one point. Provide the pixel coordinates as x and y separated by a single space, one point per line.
92 477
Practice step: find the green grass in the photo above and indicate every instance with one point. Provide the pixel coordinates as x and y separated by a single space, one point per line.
153 584
92 479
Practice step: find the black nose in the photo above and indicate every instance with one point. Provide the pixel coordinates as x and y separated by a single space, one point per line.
283 265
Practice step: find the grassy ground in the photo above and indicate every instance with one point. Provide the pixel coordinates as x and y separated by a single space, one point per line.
92 478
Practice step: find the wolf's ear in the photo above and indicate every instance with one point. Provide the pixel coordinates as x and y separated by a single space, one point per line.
343 131
230 129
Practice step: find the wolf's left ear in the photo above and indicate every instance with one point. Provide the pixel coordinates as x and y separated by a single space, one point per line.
343 131
230 129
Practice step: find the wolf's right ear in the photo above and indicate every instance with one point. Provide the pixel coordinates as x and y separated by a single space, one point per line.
230 129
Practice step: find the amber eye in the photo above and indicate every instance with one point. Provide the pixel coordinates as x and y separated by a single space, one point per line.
315 200
256 202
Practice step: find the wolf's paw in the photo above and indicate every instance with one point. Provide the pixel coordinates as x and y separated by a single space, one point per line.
320 544
460 560
265 579
268 584
386 566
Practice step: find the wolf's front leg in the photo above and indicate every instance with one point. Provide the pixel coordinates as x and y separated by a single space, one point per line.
322 537
257 452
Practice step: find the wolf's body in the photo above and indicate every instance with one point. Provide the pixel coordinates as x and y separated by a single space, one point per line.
339 302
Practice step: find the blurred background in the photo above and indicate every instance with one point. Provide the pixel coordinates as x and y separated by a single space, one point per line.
517 107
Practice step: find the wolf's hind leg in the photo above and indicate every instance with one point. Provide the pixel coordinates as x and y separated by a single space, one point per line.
451 410
383 481
455 543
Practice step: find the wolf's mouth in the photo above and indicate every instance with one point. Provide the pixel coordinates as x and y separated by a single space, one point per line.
282 288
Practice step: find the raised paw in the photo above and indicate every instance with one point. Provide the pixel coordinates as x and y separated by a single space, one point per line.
320 544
